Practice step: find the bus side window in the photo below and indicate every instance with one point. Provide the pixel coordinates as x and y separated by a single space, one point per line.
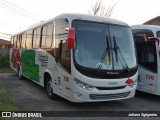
15 41
62 52
23 43
151 57
20 41
36 37
12 42
19 38
146 53
47 36
147 32
29 39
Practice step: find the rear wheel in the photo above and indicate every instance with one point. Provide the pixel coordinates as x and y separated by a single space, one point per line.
49 88
20 76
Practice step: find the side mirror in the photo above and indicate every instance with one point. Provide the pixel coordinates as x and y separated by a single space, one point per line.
71 38
153 38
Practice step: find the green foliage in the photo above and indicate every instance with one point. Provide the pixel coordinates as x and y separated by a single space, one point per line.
4 61
6 102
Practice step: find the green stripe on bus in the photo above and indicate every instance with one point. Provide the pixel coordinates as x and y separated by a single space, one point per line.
29 68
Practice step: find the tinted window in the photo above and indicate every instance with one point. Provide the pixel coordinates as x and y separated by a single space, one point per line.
62 52
18 41
147 56
23 44
15 41
29 39
47 36
148 33
95 43
158 33
12 41
36 37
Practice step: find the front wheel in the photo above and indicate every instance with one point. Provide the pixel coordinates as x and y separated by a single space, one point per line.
49 88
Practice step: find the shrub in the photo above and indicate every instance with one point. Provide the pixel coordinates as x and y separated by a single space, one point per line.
4 61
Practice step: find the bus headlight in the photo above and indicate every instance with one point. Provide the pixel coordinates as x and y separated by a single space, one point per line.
83 85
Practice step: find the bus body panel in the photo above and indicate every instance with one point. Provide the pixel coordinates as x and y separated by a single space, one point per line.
14 58
149 81
157 92
38 62
101 91
64 83
105 88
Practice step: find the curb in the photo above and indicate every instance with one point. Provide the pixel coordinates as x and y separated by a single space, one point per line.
8 74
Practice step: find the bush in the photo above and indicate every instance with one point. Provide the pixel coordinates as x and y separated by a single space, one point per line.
4 61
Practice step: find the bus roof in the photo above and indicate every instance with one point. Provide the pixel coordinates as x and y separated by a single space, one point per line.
72 16
90 18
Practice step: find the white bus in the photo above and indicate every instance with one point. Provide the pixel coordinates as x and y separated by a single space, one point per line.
81 58
148 53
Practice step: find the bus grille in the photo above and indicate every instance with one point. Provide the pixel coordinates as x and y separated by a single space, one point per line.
108 96
110 88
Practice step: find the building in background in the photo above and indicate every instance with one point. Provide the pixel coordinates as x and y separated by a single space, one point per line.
4 46
153 21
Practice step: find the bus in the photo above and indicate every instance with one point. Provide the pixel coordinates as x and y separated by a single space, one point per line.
148 54
81 58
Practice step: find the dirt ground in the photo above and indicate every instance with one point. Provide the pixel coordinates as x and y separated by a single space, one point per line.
32 97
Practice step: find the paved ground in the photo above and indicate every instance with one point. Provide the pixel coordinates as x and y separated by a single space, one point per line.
33 98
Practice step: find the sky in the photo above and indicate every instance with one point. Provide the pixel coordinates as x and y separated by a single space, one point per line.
13 18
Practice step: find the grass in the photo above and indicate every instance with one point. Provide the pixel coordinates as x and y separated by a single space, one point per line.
6 103
6 70
4 64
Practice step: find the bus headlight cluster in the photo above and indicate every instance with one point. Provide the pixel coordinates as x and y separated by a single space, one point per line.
83 85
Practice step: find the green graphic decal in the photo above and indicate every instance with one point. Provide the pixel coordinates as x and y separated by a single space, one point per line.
29 68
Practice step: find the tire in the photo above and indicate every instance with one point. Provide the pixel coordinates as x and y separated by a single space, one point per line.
20 76
49 88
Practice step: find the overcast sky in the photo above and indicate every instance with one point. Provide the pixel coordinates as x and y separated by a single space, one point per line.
12 19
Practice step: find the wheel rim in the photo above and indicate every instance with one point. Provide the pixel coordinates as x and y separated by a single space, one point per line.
49 87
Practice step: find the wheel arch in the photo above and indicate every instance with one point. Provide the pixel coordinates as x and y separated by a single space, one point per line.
18 64
47 73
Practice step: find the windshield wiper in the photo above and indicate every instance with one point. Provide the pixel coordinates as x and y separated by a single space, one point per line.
122 60
107 50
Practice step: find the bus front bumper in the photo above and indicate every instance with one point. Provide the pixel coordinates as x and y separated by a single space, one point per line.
95 95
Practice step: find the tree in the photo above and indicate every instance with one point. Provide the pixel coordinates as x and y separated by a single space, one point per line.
99 9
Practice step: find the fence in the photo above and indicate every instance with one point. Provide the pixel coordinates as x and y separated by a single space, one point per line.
4 51
4 57
4 61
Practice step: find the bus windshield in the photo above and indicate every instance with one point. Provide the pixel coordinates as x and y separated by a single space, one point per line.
95 46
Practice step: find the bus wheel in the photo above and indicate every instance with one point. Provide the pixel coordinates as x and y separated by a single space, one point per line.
49 88
20 76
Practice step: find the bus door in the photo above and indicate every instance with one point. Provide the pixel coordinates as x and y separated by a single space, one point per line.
64 70
147 60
